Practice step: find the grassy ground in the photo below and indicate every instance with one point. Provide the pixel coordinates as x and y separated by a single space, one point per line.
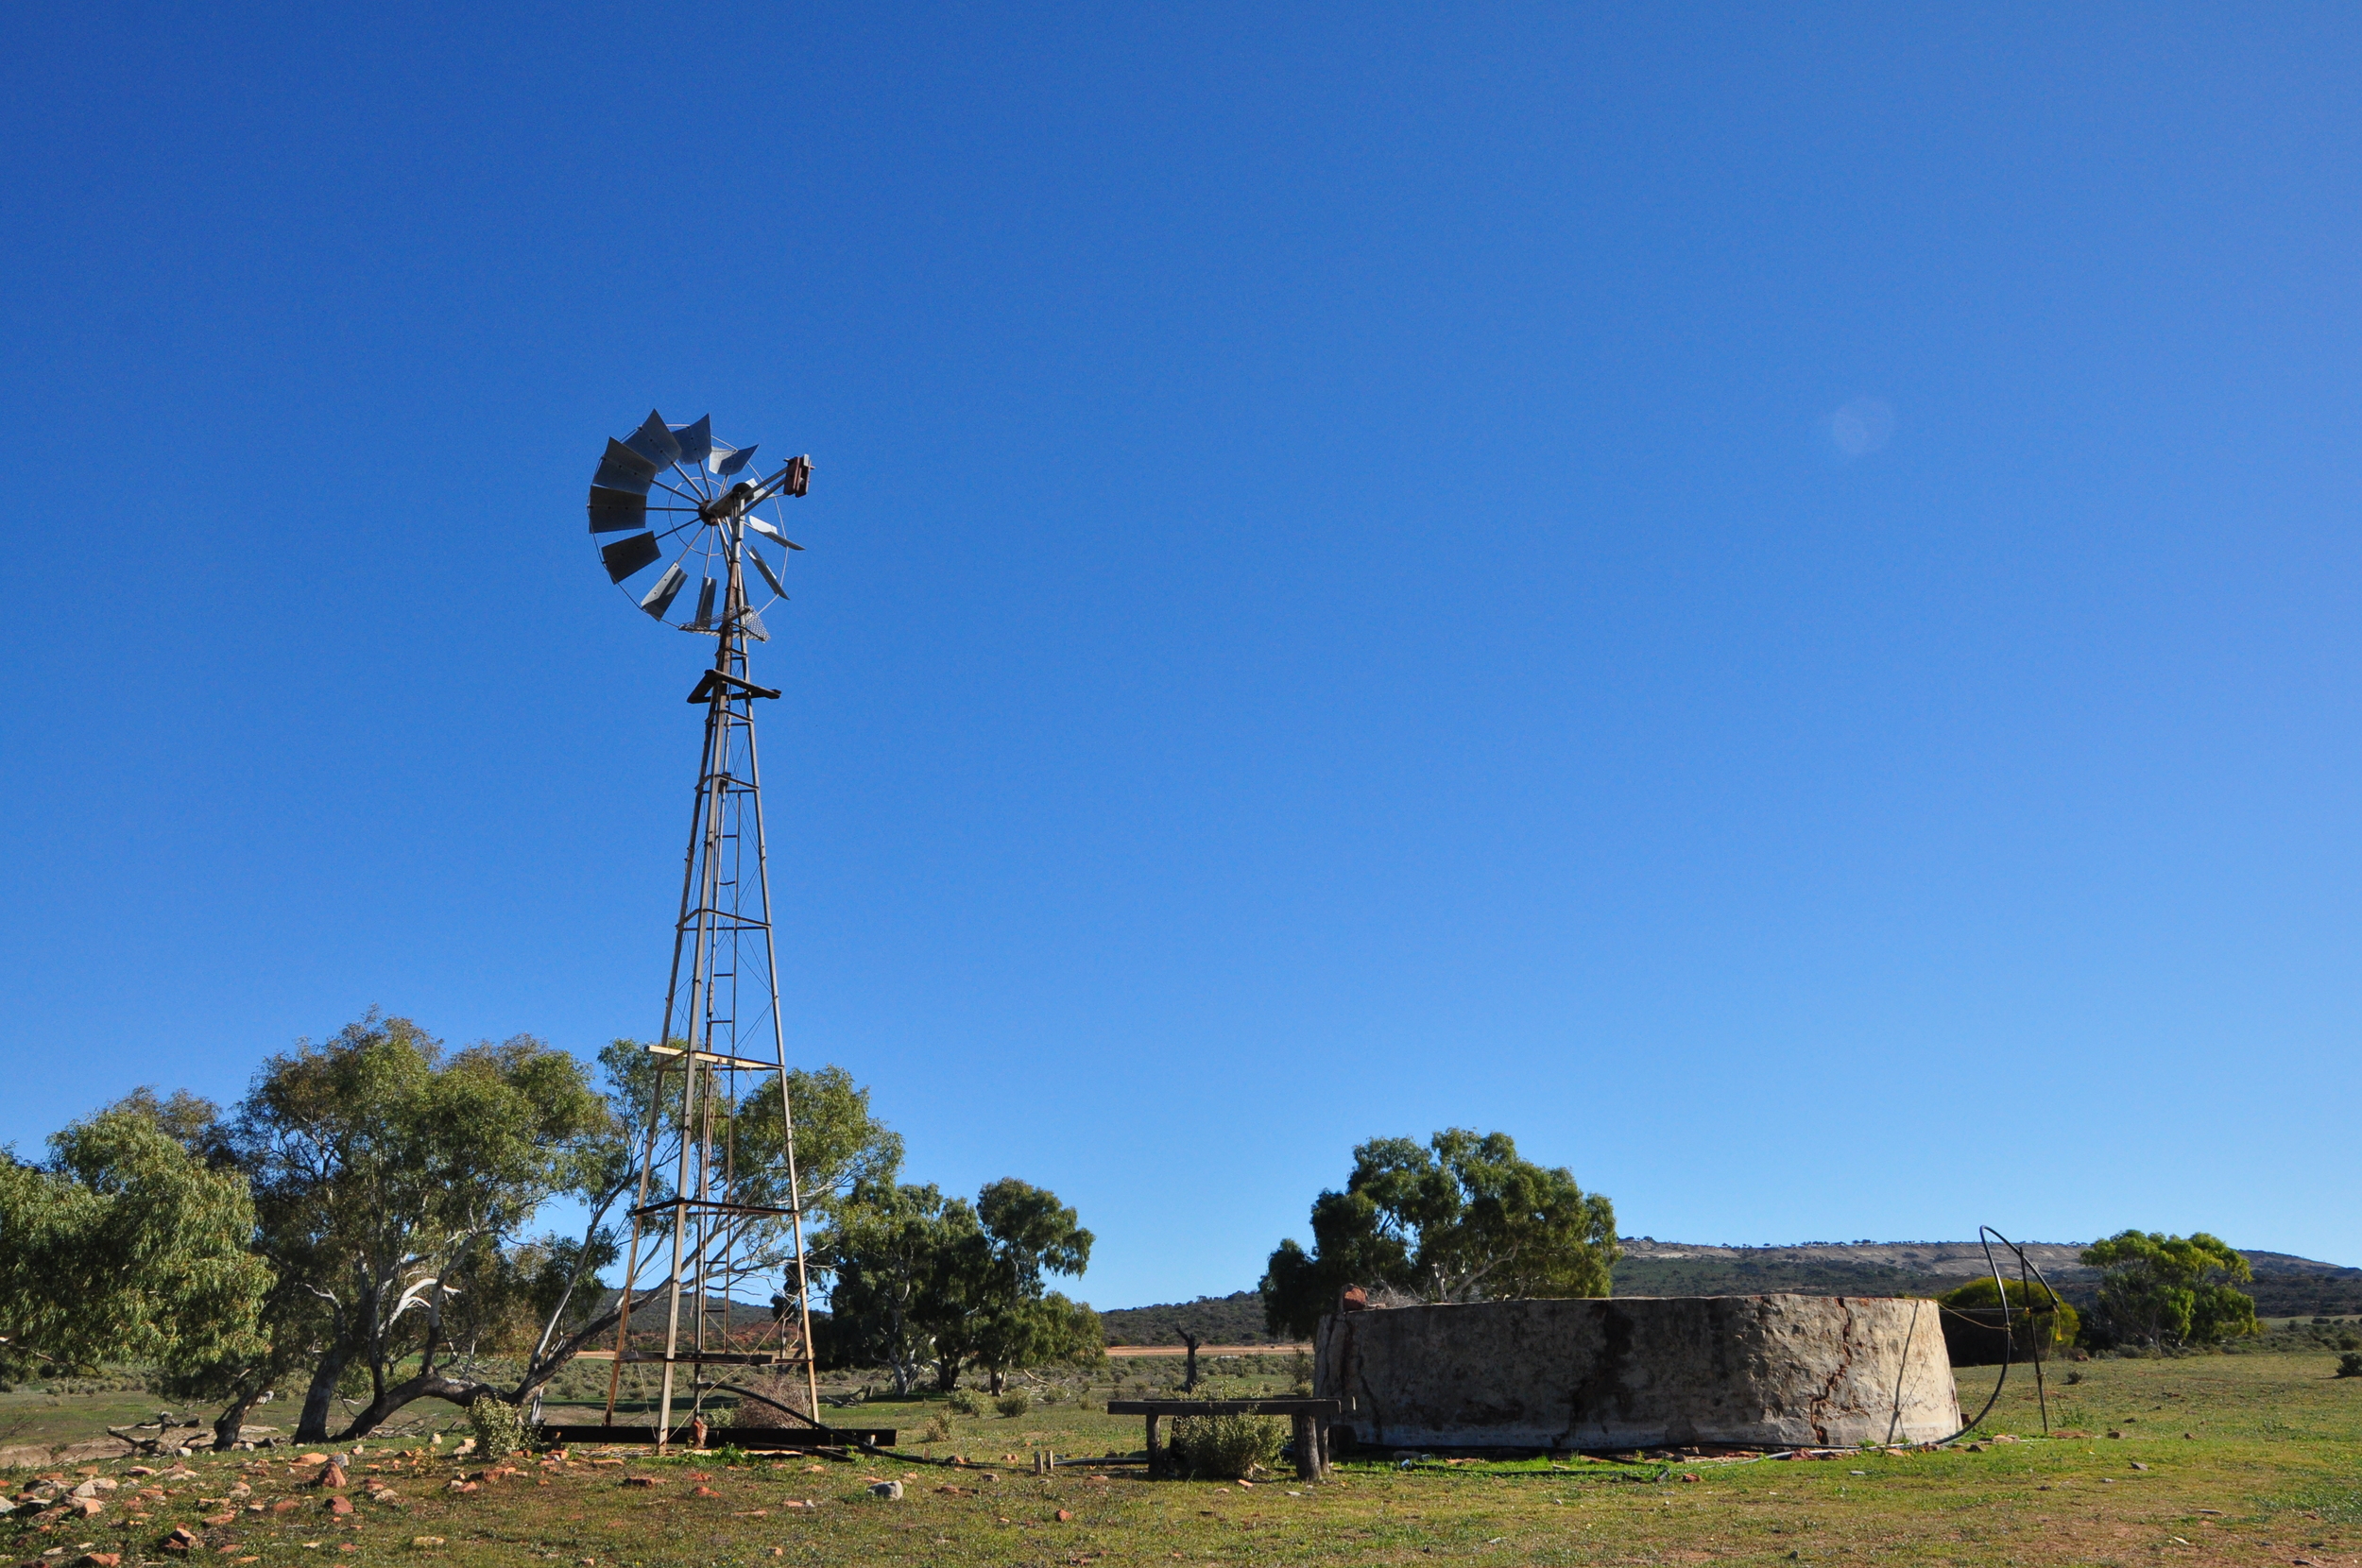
39 1415
2266 1472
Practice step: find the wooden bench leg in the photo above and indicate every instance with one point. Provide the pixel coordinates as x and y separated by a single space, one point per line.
1156 1453
1308 1449
1320 1443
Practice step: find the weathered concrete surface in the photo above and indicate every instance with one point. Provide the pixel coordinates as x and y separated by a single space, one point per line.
1641 1371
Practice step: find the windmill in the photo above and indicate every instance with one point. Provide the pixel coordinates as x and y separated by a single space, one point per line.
718 1207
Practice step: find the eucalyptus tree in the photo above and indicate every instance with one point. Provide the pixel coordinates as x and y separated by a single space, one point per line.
2168 1291
126 1245
1462 1218
385 1168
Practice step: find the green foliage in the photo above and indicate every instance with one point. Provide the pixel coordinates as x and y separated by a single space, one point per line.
1226 1447
1013 1403
992 1309
1976 1334
499 1427
2350 1364
965 1402
390 1176
1462 1218
129 1246
919 1277
887 1252
2169 1291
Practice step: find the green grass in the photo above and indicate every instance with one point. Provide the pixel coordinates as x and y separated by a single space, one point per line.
35 1414
2273 1450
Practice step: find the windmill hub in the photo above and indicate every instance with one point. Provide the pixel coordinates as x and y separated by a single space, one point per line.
722 508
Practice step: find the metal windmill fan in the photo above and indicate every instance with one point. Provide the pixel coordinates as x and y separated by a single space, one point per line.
685 501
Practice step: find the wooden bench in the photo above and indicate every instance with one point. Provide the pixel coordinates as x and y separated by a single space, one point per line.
1310 1418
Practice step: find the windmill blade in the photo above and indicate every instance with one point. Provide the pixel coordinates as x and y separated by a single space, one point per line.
625 556
623 468
735 461
667 587
752 624
704 618
764 566
696 441
654 441
770 533
614 509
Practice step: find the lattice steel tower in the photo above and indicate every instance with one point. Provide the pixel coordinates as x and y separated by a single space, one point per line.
718 1208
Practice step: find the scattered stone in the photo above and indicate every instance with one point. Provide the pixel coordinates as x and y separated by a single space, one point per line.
890 1490
426 1539
340 1505
2137 1465
702 1490
333 1477
99 1560
1064 1514
642 1481
217 1520
285 1505
2116 1434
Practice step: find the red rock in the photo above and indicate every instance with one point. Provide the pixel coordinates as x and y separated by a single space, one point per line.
340 1504
1064 1514
99 1560
333 1477
285 1505
705 1491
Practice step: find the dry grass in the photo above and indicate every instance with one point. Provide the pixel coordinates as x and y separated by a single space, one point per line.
2269 1474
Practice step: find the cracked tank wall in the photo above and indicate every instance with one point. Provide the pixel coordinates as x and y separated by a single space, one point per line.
1641 1371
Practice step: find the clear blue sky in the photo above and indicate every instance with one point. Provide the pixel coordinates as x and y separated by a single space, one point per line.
1763 601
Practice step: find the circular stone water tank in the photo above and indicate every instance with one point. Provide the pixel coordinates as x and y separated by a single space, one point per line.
1640 1372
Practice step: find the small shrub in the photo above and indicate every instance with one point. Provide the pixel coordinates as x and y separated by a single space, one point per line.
499 1427
965 1402
1226 1448
1053 1394
937 1430
2350 1364
1013 1403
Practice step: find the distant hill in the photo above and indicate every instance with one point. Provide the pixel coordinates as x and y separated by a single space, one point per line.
2286 1286
1233 1320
